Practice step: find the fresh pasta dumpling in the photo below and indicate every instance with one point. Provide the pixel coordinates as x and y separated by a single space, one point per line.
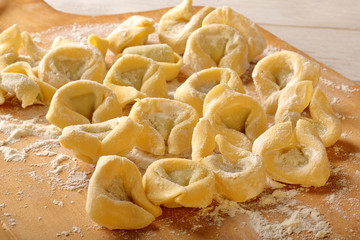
7 59
238 117
10 40
293 100
195 88
91 141
170 61
216 45
133 31
248 29
239 174
176 182
83 102
294 156
35 52
116 198
101 44
327 124
274 72
20 85
47 91
178 23
168 125
70 62
134 76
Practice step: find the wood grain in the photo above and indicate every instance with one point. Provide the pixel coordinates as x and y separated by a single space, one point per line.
31 201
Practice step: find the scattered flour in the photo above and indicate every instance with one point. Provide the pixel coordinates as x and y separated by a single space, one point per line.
343 87
59 203
13 155
269 50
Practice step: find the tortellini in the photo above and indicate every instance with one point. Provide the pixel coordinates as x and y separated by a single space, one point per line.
70 62
248 29
176 182
168 125
274 72
294 156
83 102
35 52
133 31
216 45
134 76
10 40
238 117
90 141
170 61
195 88
101 44
116 198
239 174
178 23
327 124
20 85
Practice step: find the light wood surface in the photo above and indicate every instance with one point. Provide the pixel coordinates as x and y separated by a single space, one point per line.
31 202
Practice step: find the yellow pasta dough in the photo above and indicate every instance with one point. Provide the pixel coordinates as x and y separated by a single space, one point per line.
170 61
83 102
35 52
70 62
327 124
20 85
238 117
178 23
195 88
133 31
10 40
239 174
91 141
168 125
101 44
116 198
216 45
134 76
248 29
176 182
274 72
295 157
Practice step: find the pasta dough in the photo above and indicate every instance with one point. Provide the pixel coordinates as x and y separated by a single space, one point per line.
101 44
168 125
83 102
35 52
90 141
176 182
216 45
133 31
238 117
324 119
70 62
170 61
195 88
274 72
248 29
134 76
178 23
295 157
10 40
116 198
239 174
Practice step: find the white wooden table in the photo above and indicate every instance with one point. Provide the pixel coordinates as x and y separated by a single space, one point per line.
328 31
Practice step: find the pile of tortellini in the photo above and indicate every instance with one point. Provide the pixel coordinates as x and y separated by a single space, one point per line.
210 116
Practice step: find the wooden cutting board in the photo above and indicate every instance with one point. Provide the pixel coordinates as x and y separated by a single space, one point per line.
35 205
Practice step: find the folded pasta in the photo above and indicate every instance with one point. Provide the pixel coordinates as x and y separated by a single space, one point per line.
178 23
134 76
239 174
83 102
294 156
176 182
116 198
276 71
10 40
91 141
195 88
216 45
168 125
238 117
248 29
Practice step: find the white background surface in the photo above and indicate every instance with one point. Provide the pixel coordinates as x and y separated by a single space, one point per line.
327 30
